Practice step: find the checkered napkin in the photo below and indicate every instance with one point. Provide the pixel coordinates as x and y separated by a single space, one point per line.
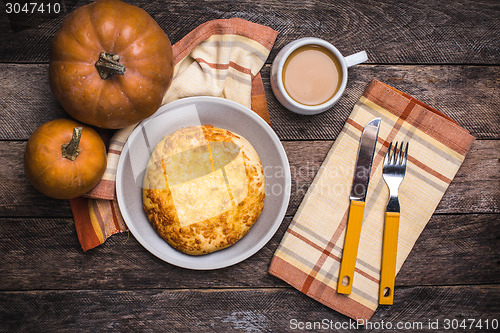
220 58
309 255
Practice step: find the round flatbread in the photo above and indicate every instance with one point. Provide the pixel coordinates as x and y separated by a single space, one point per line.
203 189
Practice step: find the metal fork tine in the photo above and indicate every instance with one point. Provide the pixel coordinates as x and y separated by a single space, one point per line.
405 155
388 154
400 154
393 157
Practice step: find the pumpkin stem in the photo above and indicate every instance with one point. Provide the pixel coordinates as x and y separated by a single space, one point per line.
108 65
70 150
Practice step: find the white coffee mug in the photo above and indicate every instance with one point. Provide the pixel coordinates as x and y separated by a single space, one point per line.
277 75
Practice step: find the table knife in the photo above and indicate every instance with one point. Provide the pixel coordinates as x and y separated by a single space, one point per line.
357 205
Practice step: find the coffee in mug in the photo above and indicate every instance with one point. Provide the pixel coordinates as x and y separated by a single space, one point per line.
312 75
309 75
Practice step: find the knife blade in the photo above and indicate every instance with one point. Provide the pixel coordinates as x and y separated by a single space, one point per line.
359 188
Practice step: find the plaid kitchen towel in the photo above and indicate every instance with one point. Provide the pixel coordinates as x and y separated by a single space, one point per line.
220 58
309 255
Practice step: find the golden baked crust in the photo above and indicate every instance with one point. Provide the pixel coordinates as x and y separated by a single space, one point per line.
203 189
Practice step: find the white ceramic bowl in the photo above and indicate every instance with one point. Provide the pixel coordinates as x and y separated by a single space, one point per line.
277 75
195 111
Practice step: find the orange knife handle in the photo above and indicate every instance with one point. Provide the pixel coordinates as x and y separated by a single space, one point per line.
389 252
351 243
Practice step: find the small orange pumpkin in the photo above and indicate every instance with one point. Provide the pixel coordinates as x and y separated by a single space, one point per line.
110 64
64 159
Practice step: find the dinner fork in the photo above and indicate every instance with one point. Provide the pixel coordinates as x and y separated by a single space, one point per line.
393 172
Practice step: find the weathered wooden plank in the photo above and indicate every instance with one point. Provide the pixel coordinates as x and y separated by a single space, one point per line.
426 31
17 196
45 254
254 310
464 195
473 106
480 167
26 100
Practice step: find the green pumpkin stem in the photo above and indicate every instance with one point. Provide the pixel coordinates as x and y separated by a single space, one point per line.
108 65
70 150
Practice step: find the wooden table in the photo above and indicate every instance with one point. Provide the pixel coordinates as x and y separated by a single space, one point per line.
445 53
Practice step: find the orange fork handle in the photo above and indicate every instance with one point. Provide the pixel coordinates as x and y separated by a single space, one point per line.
389 252
351 243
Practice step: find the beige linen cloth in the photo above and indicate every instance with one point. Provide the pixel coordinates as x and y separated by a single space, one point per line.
309 255
219 58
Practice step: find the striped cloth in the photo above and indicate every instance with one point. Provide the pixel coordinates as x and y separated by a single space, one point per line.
220 58
309 255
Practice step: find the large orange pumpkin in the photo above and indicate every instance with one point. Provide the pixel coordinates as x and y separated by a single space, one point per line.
110 64
64 159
